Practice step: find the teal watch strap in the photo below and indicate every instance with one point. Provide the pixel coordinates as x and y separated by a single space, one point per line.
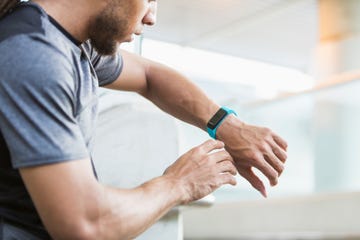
217 119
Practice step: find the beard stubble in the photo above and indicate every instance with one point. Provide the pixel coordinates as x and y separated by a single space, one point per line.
109 27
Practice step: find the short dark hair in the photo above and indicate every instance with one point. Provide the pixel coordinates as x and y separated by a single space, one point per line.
7 5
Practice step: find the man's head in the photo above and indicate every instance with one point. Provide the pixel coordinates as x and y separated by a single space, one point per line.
118 21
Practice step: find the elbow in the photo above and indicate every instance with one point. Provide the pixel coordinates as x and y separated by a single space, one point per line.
77 231
90 229
93 231
87 231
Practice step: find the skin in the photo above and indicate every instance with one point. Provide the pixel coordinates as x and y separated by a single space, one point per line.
90 210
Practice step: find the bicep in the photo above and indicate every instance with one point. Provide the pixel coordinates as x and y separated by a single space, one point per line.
133 75
64 195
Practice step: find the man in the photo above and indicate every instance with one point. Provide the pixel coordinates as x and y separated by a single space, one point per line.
54 55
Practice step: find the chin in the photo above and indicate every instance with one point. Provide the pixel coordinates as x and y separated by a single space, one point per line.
126 39
131 37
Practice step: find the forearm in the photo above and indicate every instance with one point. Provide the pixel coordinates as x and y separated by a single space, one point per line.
124 214
79 207
176 95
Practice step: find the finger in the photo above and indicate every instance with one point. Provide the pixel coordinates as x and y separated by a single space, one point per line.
226 167
227 178
267 170
220 156
281 142
274 162
250 176
211 145
279 152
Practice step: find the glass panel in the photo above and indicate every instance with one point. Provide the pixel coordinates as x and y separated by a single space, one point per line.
323 132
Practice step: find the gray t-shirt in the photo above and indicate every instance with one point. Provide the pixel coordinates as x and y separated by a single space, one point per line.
48 103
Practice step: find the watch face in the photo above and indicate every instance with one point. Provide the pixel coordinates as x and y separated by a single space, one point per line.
215 120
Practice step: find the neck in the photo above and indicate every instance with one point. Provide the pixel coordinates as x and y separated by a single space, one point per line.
74 16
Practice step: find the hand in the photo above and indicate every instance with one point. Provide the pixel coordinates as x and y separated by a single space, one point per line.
202 170
253 146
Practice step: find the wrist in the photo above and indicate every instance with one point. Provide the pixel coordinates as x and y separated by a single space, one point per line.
217 120
228 125
175 189
209 112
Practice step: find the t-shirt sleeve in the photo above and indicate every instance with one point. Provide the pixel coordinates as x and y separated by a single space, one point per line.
107 68
37 106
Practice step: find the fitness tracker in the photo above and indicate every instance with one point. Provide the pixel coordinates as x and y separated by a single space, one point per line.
216 120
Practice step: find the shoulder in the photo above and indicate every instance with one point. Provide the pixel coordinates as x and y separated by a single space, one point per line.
30 44
35 59
25 18
31 64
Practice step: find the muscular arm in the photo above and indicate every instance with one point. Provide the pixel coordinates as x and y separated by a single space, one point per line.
73 205
168 89
250 146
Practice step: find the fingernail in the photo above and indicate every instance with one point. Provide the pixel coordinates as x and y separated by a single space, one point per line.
274 183
264 193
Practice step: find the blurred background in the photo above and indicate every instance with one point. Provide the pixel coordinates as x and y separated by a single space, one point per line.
291 65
